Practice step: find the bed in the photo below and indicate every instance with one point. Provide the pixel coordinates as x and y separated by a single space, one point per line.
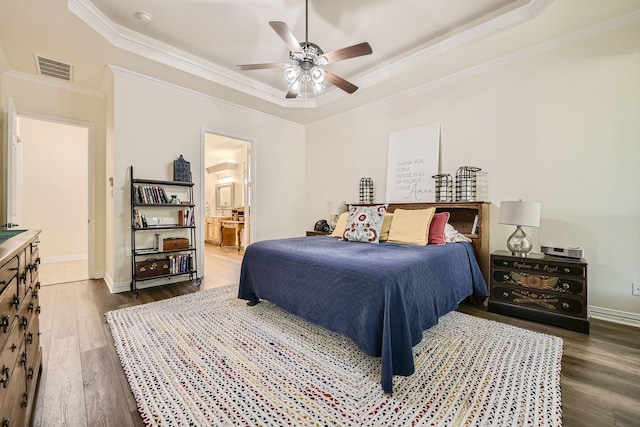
382 296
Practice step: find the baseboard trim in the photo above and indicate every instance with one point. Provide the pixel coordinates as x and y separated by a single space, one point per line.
615 316
63 258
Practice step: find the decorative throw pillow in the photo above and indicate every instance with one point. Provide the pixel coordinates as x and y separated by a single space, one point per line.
439 222
364 223
386 226
411 226
454 235
340 225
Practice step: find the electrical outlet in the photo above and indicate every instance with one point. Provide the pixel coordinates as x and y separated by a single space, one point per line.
635 289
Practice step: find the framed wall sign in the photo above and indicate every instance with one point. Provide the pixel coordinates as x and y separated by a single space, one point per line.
412 161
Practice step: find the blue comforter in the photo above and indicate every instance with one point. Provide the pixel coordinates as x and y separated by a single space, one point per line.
382 296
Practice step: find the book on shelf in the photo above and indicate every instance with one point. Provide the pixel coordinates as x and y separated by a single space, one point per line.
150 194
474 227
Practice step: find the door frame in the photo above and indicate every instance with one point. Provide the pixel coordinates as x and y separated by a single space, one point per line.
249 187
90 174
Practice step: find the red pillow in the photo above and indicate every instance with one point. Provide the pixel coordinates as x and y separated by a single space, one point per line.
437 227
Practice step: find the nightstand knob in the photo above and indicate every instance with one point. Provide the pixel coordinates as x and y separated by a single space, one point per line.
565 305
565 285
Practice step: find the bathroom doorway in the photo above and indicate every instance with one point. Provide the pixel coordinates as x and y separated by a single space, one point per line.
227 196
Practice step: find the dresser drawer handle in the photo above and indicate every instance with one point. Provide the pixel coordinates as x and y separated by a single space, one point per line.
5 422
30 307
25 400
506 277
565 285
505 263
505 294
30 374
24 322
566 270
30 338
15 301
5 377
4 323
565 305
23 359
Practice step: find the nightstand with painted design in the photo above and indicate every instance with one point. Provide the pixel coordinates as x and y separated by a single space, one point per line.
542 288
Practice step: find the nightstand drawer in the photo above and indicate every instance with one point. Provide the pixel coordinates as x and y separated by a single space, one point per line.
541 301
538 282
540 288
541 267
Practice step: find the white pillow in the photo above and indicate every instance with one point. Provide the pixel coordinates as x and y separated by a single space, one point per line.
452 235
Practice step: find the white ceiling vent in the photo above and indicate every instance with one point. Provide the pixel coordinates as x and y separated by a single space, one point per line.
54 68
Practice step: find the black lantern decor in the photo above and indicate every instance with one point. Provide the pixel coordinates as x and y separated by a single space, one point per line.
444 187
466 183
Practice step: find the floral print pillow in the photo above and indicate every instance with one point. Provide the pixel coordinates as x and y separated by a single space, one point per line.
364 223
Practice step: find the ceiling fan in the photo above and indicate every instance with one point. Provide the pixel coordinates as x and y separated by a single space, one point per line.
307 59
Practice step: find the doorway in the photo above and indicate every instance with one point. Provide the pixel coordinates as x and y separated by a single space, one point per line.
54 182
227 197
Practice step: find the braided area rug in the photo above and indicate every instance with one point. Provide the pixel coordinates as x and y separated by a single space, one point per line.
207 359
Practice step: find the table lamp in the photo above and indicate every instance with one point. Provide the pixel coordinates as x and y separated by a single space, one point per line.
521 214
335 208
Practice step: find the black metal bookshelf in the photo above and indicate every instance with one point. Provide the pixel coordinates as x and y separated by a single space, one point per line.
158 262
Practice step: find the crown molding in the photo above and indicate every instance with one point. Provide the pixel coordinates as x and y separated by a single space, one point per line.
136 43
119 71
613 24
146 47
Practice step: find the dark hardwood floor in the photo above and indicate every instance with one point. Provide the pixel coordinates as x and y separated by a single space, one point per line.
83 384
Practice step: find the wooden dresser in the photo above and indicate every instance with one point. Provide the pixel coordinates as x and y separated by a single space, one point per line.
213 230
546 289
20 351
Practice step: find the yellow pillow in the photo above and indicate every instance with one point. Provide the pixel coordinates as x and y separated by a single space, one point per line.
386 225
341 224
411 226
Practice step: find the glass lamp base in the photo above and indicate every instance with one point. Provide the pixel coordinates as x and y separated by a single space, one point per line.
518 243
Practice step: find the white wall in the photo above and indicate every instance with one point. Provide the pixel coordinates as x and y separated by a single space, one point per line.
561 128
55 187
154 123
44 97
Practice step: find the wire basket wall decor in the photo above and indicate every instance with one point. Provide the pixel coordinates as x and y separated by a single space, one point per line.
366 190
466 180
444 187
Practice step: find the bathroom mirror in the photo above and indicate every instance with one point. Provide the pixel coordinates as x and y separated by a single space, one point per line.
224 196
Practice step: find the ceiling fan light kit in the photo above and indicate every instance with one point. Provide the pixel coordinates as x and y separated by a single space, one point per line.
306 58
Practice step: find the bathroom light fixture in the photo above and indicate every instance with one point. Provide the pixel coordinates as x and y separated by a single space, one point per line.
521 214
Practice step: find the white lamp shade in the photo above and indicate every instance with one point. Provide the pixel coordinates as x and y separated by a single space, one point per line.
337 207
520 213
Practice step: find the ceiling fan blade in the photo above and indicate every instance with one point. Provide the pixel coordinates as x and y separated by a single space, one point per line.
286 35
291 94
340 82
359 49
248 67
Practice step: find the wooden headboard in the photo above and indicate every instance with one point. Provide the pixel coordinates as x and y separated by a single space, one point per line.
462 216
